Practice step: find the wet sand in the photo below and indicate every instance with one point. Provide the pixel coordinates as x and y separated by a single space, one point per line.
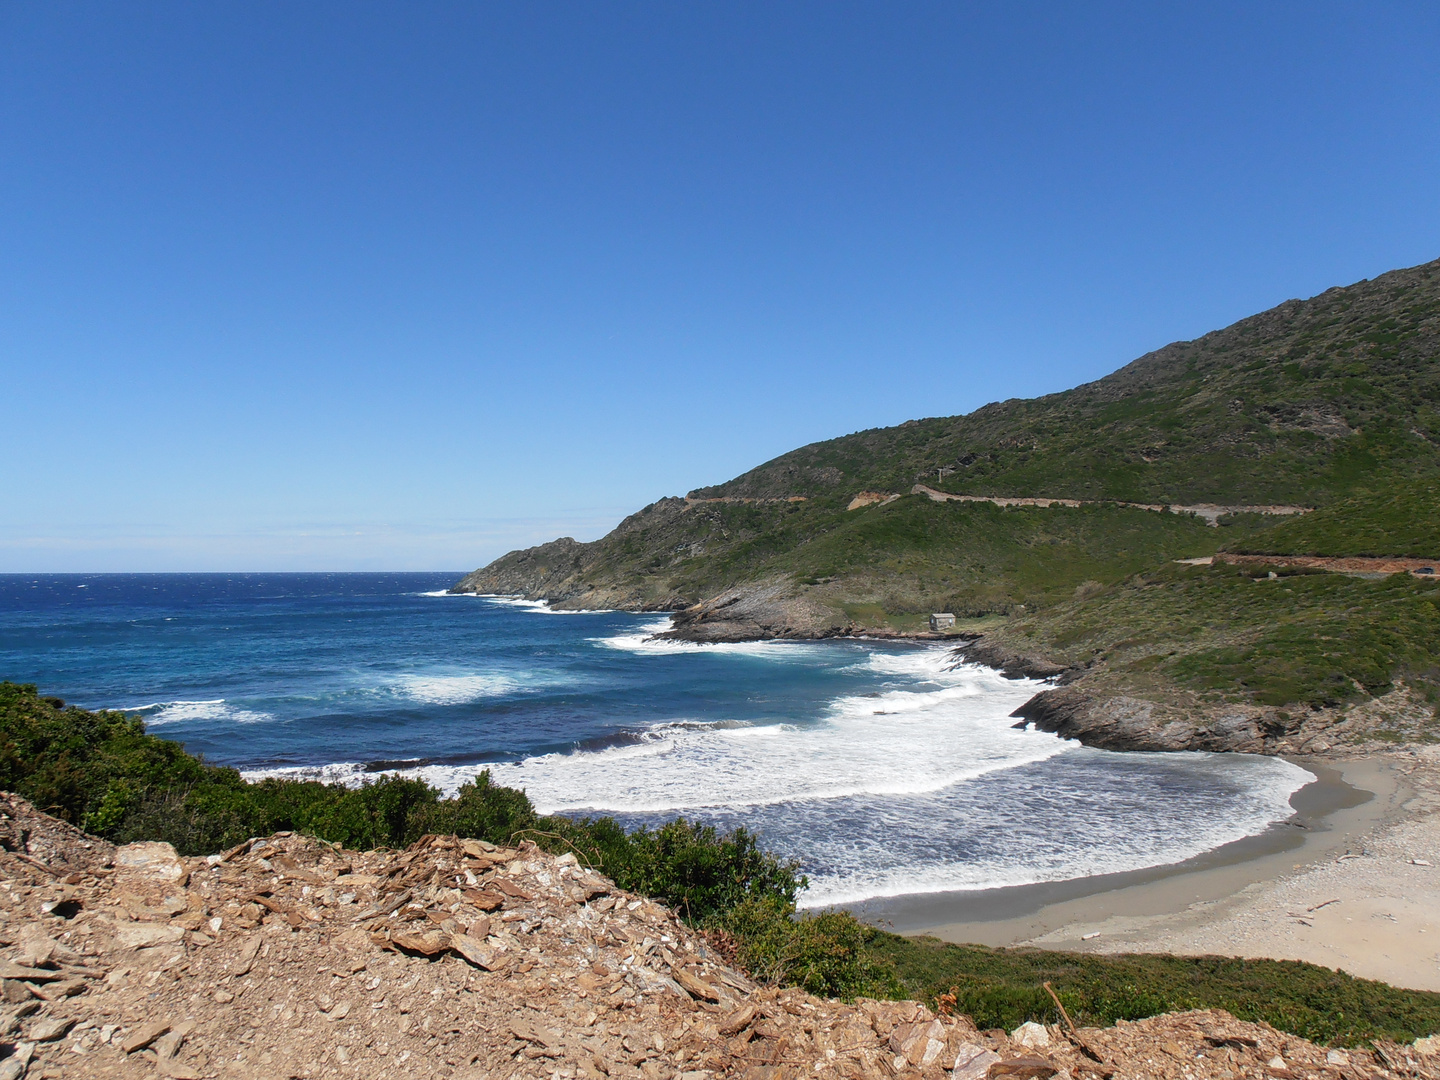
1354 834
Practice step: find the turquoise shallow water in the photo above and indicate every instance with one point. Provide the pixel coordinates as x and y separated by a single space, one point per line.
883 767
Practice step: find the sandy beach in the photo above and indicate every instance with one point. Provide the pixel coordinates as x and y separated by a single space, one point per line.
1351 882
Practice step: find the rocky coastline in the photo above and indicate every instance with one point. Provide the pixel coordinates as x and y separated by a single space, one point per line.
1085 703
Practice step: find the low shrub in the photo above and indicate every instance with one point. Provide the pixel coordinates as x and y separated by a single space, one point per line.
827 954
101 771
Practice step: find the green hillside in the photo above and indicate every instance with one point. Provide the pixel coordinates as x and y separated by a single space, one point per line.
1298 404
1331 403
904 558
1310 403
1401 520
916 556
1231 634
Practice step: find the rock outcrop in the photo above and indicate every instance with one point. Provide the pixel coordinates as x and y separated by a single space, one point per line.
772 609
290 958
1009 662
543 570
1092 709
1121 722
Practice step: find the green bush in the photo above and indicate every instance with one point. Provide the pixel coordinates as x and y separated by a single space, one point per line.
702 873
100 770
483 810
827 954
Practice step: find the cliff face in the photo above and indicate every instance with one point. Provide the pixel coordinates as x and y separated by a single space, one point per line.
546 571
770 609
612 572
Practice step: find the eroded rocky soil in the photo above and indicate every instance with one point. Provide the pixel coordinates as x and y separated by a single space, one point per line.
287 957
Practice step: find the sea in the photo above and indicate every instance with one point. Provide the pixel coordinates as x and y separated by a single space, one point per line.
885 768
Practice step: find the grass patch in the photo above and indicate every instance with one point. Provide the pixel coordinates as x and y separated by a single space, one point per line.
1311 639
1001 988
1401 520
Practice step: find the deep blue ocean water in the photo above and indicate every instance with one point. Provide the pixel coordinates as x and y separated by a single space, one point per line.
884 767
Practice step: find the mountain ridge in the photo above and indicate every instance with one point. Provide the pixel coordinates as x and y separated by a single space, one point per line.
1303 404
1301 363
1028 517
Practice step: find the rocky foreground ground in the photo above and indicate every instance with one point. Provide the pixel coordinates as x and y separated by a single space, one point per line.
287 957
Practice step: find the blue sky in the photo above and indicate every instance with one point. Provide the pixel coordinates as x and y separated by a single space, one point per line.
402 286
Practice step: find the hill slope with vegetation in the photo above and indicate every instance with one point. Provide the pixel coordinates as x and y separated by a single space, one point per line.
1298 404
1305 404
1399 519
1331 403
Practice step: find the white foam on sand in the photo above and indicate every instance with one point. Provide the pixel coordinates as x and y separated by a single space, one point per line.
1054 828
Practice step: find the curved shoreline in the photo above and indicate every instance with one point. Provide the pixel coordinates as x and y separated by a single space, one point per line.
1013 913
1345 890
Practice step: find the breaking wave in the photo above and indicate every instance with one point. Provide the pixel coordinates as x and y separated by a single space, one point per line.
641 640
160 713
454 689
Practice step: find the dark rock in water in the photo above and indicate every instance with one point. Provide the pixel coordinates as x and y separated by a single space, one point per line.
755 613
1011 664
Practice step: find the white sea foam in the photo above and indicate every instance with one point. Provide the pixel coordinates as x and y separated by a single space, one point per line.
920 786
434 689
160 713
349 773
899 742
538 607
641 639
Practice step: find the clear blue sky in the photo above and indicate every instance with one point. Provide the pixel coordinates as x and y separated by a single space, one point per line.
355 286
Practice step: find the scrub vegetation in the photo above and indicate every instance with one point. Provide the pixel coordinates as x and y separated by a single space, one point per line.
1002 988
1400 520
915 556
1303 403
1303 638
